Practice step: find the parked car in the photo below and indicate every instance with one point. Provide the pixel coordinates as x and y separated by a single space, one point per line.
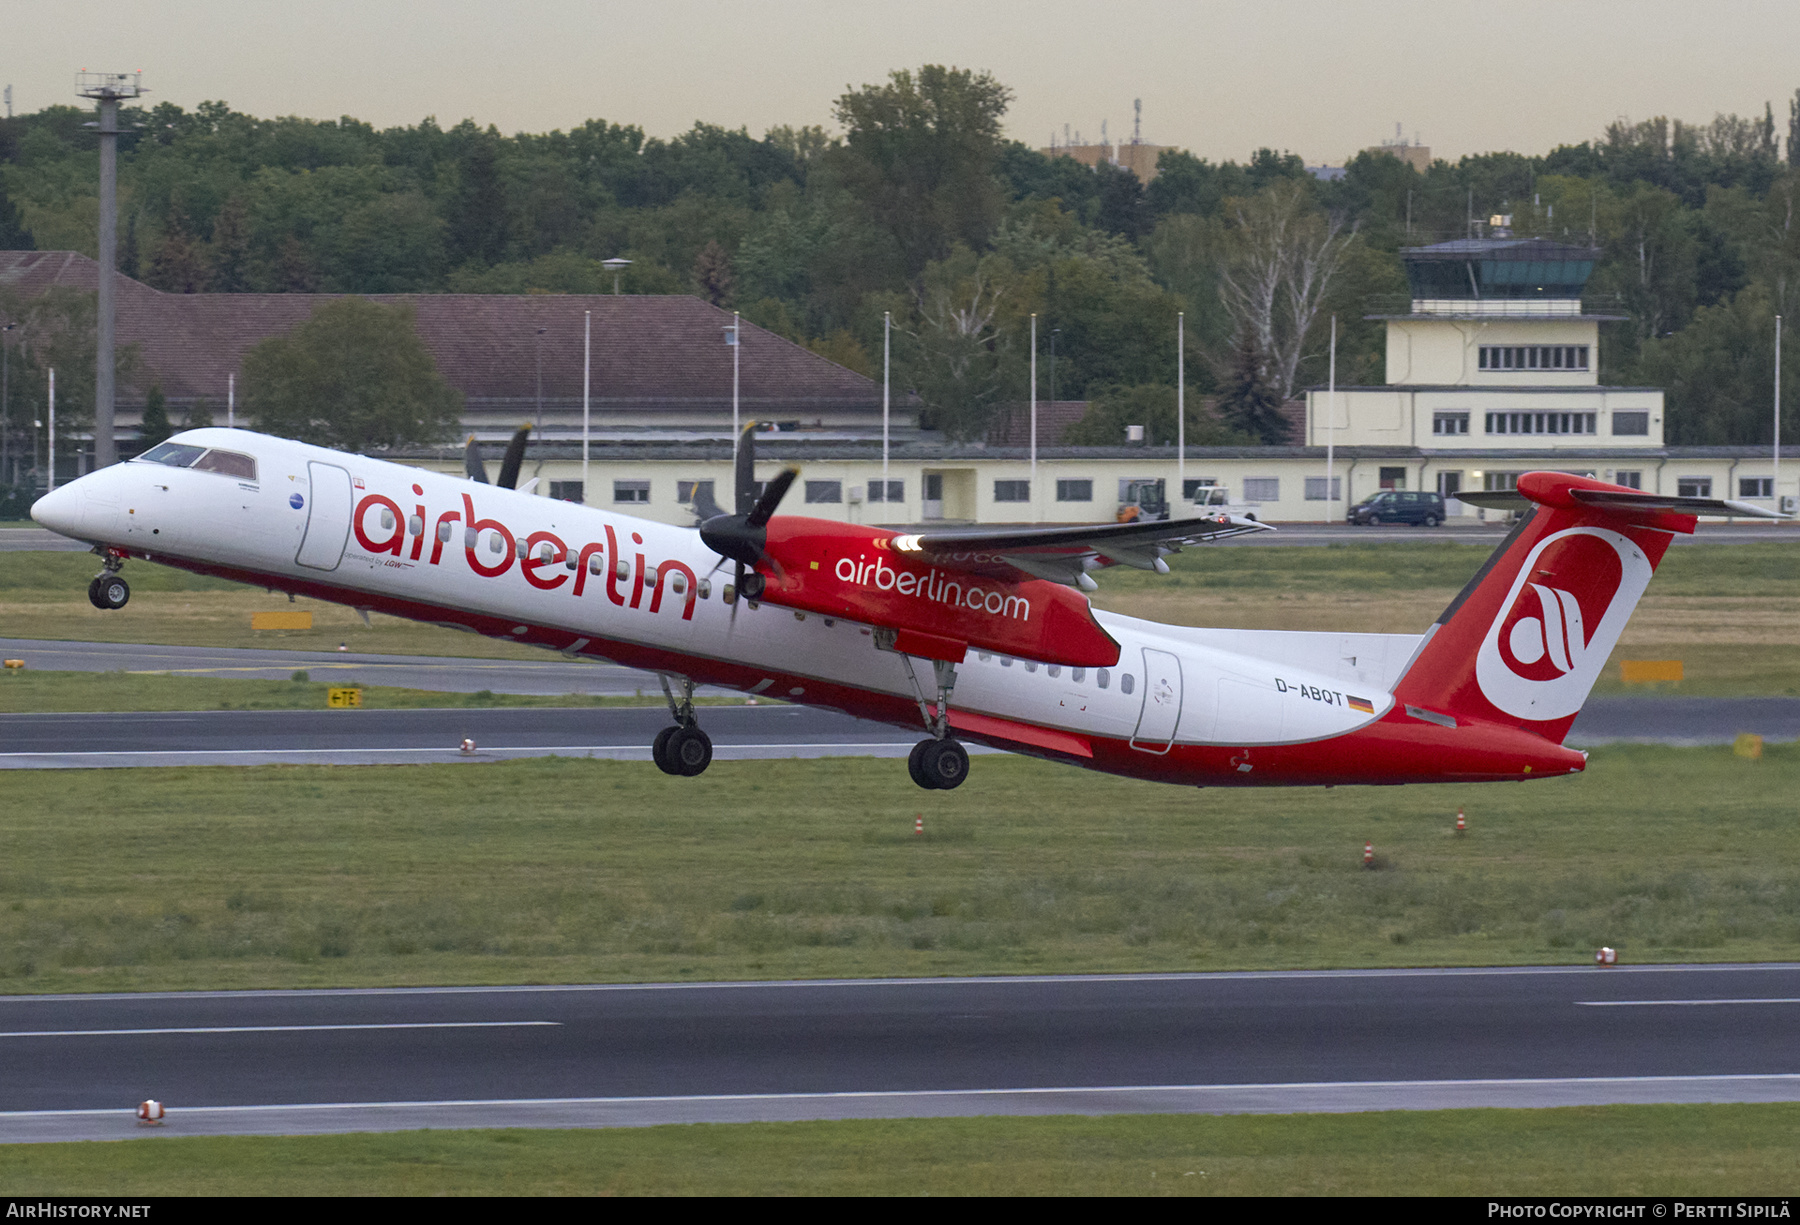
1399 506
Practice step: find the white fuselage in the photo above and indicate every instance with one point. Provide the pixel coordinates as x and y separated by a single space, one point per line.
605 585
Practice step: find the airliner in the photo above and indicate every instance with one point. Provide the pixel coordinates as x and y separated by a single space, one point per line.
975 634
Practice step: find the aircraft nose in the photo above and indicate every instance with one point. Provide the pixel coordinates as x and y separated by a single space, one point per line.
59 510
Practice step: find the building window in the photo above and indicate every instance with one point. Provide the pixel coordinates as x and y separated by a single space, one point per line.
1074 491
1756 486
824 491
1449 484
1392 478
1540 423
1262 489
1631 480
1449 423
1534 357
1694 486
1631 425
887 491
631 491
1315 488
1500 482
565 491
694 493
1012 491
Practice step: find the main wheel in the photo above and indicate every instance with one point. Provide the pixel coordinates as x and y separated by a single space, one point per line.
945 763
109 591
689 750
915 764
659 751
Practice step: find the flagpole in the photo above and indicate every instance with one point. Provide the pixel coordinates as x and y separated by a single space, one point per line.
1034 488
1180 409
1331 423
887 328
587 372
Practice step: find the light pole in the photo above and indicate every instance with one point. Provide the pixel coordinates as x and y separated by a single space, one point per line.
5 399
587 368
1034 489
615 265
1180 407
540 381
887 328
1054 334
108 89
731 339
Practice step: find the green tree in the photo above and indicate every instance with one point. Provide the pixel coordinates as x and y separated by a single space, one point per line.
155 427
1251 405
921 153
355 377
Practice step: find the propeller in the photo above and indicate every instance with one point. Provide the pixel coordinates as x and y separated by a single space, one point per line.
476 469
743 537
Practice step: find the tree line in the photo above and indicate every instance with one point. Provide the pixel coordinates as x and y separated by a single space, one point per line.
920 210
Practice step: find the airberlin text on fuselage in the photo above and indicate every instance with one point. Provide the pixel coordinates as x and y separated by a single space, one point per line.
883 577
546 559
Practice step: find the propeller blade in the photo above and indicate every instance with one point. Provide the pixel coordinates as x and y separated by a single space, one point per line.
515 456
744 490
764 510
473 468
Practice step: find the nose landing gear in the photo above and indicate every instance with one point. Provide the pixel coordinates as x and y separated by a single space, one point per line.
682 750
108 590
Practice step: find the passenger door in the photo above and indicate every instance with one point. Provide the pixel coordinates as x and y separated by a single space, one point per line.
329 503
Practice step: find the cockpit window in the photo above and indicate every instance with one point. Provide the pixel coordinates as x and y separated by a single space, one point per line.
174 454
231 463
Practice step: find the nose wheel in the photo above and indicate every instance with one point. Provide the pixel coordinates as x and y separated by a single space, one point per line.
682 750
109 591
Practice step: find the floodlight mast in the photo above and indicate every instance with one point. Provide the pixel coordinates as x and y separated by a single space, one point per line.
108 89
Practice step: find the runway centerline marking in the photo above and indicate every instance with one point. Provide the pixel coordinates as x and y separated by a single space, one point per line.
269 1029
1680 1003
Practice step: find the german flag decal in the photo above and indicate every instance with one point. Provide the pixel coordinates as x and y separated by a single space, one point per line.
1362 704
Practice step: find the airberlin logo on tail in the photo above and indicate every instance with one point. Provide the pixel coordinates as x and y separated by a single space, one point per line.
1560 622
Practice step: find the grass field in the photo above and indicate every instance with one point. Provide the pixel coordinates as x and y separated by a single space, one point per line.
1727 611
1585 1151
565 870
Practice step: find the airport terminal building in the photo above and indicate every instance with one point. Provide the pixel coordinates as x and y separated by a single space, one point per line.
1492 371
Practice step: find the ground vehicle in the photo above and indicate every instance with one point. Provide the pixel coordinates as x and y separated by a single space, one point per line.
1399 506
838 614
1216 499
1143 502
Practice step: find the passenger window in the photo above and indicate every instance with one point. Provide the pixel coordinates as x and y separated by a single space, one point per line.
1125 682
1030 666
229 463
1078 675
1005 663
415 525
1104 677
1054 669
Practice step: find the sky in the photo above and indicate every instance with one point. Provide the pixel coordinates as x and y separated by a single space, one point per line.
1220 78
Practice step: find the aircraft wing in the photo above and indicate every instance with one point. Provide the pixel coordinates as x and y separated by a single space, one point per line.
1066 554
1628 501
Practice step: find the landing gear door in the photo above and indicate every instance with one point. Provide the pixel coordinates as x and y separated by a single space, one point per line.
329 502
1162 703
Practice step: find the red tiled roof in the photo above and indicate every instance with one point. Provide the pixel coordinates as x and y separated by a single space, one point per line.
1012 427
646 349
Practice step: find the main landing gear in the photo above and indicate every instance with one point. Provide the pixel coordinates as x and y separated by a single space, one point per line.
683 749
940 763
108 590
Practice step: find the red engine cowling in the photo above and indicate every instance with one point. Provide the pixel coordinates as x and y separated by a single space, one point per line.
844 570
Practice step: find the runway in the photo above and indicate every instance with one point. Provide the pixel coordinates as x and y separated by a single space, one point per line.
739 732
627 1055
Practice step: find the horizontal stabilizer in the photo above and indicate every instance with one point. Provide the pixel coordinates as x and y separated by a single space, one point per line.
1625 501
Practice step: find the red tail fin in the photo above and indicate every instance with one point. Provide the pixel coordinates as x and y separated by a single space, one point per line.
1525 641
